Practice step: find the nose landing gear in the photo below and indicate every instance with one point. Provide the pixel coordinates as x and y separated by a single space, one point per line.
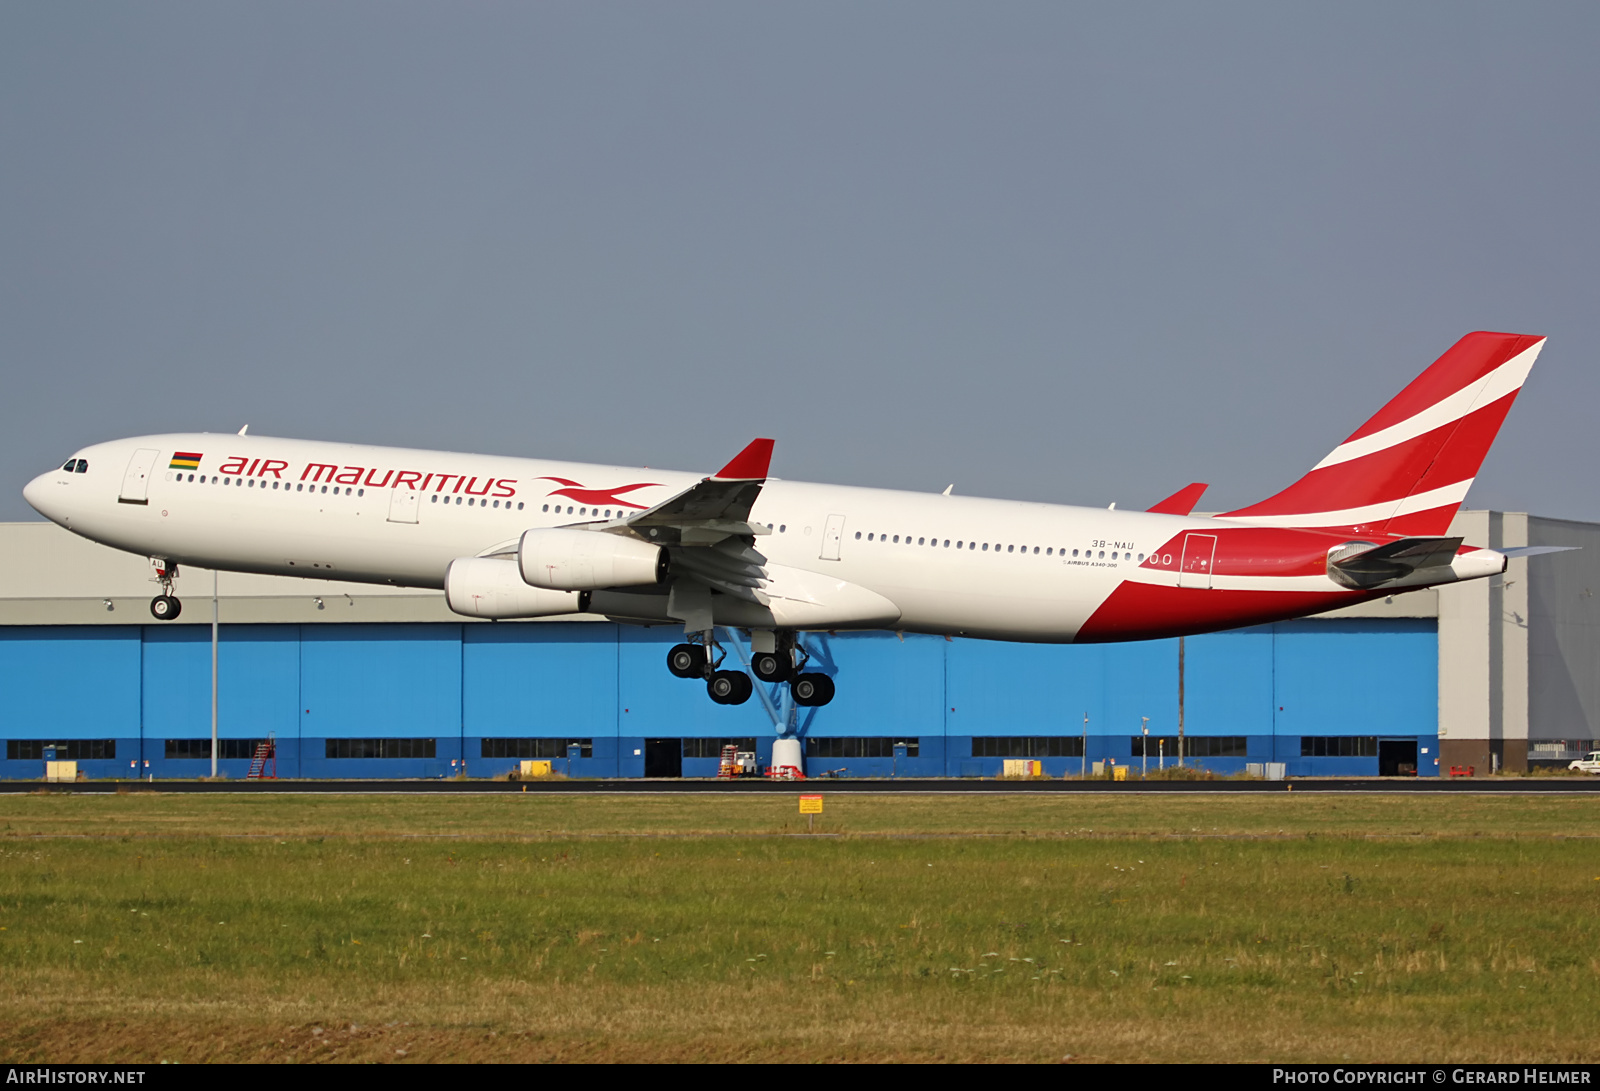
165 606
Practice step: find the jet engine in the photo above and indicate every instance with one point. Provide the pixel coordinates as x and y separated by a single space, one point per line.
586 560
492 587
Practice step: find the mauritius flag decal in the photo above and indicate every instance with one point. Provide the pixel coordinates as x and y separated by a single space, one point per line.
184 460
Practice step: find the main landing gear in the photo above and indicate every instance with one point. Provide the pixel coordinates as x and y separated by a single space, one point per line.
165 606
786 664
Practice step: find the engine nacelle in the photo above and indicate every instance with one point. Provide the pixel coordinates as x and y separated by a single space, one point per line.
587 560
493 587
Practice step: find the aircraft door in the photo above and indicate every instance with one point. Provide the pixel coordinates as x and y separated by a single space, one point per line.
136 482
1199 552
403 505
832 535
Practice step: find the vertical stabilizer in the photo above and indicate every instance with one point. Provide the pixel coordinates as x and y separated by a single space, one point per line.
1407 469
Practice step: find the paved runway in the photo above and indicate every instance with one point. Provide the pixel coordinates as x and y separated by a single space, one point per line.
1374 785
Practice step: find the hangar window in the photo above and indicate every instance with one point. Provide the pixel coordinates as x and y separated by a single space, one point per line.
860 748
71 750
1014 746
227 749
1338 746
1194 746
380 748
533 748
712 748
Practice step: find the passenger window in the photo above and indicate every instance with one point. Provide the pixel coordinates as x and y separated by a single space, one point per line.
986 547
1050 552
361 492
435 498
519 505
920 541
947 543
782 527
1141 558
1074 552
858 536
458 504
1113 555
1010 549
545 508
897 539
958 545
1102 555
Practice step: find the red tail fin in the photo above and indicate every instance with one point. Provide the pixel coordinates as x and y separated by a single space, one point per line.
1407 469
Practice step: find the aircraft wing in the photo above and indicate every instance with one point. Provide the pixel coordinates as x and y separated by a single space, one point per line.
707 530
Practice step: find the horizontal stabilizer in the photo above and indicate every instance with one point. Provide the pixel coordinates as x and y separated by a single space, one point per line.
1181 502
1366 566
1535 551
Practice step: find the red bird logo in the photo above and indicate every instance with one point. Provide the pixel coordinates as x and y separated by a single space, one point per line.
576 491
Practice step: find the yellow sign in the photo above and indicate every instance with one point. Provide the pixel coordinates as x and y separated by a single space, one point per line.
810 804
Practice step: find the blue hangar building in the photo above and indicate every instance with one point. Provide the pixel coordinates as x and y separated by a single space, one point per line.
358 681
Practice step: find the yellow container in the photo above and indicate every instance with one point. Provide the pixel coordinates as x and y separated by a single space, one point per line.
535 768
1120 773
60 770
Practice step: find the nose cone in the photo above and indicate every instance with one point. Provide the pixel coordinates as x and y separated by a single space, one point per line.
39 493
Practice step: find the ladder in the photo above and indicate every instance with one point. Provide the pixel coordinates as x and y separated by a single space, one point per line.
264 762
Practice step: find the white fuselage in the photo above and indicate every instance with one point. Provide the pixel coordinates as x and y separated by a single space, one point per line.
949 564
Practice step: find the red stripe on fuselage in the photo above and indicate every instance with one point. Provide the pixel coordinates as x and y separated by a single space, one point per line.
1258 551
1142 611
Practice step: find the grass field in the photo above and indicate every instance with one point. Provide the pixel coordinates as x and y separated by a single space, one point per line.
146 927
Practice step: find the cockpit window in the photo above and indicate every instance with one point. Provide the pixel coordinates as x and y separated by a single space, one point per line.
83 466
71 465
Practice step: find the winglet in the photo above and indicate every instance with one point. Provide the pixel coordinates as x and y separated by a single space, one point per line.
1181 502
749 464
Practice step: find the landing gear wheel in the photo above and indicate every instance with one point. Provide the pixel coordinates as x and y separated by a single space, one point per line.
771 666
730 687
811 690
165 608
687 660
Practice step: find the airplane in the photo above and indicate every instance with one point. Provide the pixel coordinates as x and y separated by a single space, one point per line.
509 538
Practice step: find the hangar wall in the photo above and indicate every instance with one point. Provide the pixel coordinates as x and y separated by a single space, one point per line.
336 696
1512 677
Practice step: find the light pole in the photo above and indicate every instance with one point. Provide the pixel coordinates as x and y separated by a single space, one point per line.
1144 746
213 674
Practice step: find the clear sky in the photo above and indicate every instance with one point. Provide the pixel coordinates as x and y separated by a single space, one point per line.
1067 252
